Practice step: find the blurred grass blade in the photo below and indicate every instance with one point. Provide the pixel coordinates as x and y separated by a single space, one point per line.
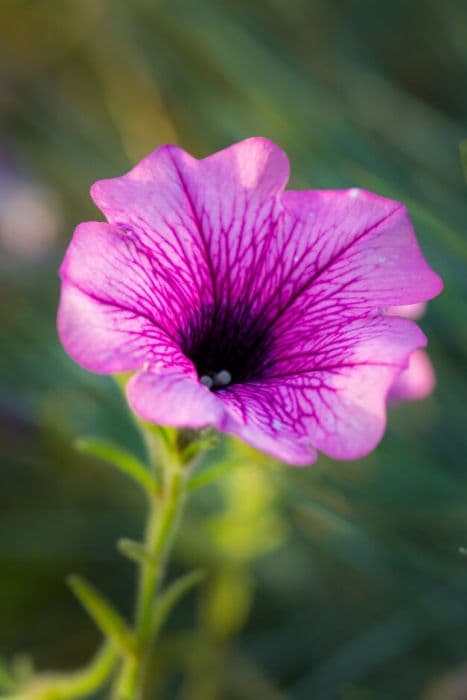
463 150
172 594
121 459
108 620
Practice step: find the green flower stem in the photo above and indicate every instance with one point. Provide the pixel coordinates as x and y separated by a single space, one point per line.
164 515
159 539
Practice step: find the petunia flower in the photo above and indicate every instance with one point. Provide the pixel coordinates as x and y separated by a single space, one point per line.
418 380
239 305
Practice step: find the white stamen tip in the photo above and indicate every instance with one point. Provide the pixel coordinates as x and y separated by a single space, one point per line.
222 378
207 381
354 192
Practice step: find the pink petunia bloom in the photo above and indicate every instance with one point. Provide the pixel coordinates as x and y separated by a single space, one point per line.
243 306
418 380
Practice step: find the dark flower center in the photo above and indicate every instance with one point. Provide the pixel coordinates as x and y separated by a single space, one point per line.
226 347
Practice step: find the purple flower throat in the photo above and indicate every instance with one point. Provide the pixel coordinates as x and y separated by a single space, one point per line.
226 346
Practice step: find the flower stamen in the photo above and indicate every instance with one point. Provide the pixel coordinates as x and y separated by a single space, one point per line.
216 380
207 381
222 378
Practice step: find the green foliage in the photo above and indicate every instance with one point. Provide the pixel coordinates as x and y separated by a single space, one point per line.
119 458
172 594
108 620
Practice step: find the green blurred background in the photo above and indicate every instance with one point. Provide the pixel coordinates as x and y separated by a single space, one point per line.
342 581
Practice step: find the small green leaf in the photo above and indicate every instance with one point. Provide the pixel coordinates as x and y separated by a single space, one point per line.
123 460
109 621
133 550
172 594
207 476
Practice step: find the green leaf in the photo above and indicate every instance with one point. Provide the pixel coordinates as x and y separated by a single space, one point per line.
172 594
108 620
120 458
133 550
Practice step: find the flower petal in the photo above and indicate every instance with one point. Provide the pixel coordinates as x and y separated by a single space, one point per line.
174 398
178 399
334 398
341 254
309 277
416 382
114 300
370 241
266 415
211 219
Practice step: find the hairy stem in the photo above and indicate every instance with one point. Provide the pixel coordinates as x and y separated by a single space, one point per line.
163 518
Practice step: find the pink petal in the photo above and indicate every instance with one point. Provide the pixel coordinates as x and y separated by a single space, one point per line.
333 398
178 399
345 253
267 415
416 382
113 314
210 219
174 398
338 408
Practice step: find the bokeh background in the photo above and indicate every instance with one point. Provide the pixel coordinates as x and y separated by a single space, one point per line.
342 581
